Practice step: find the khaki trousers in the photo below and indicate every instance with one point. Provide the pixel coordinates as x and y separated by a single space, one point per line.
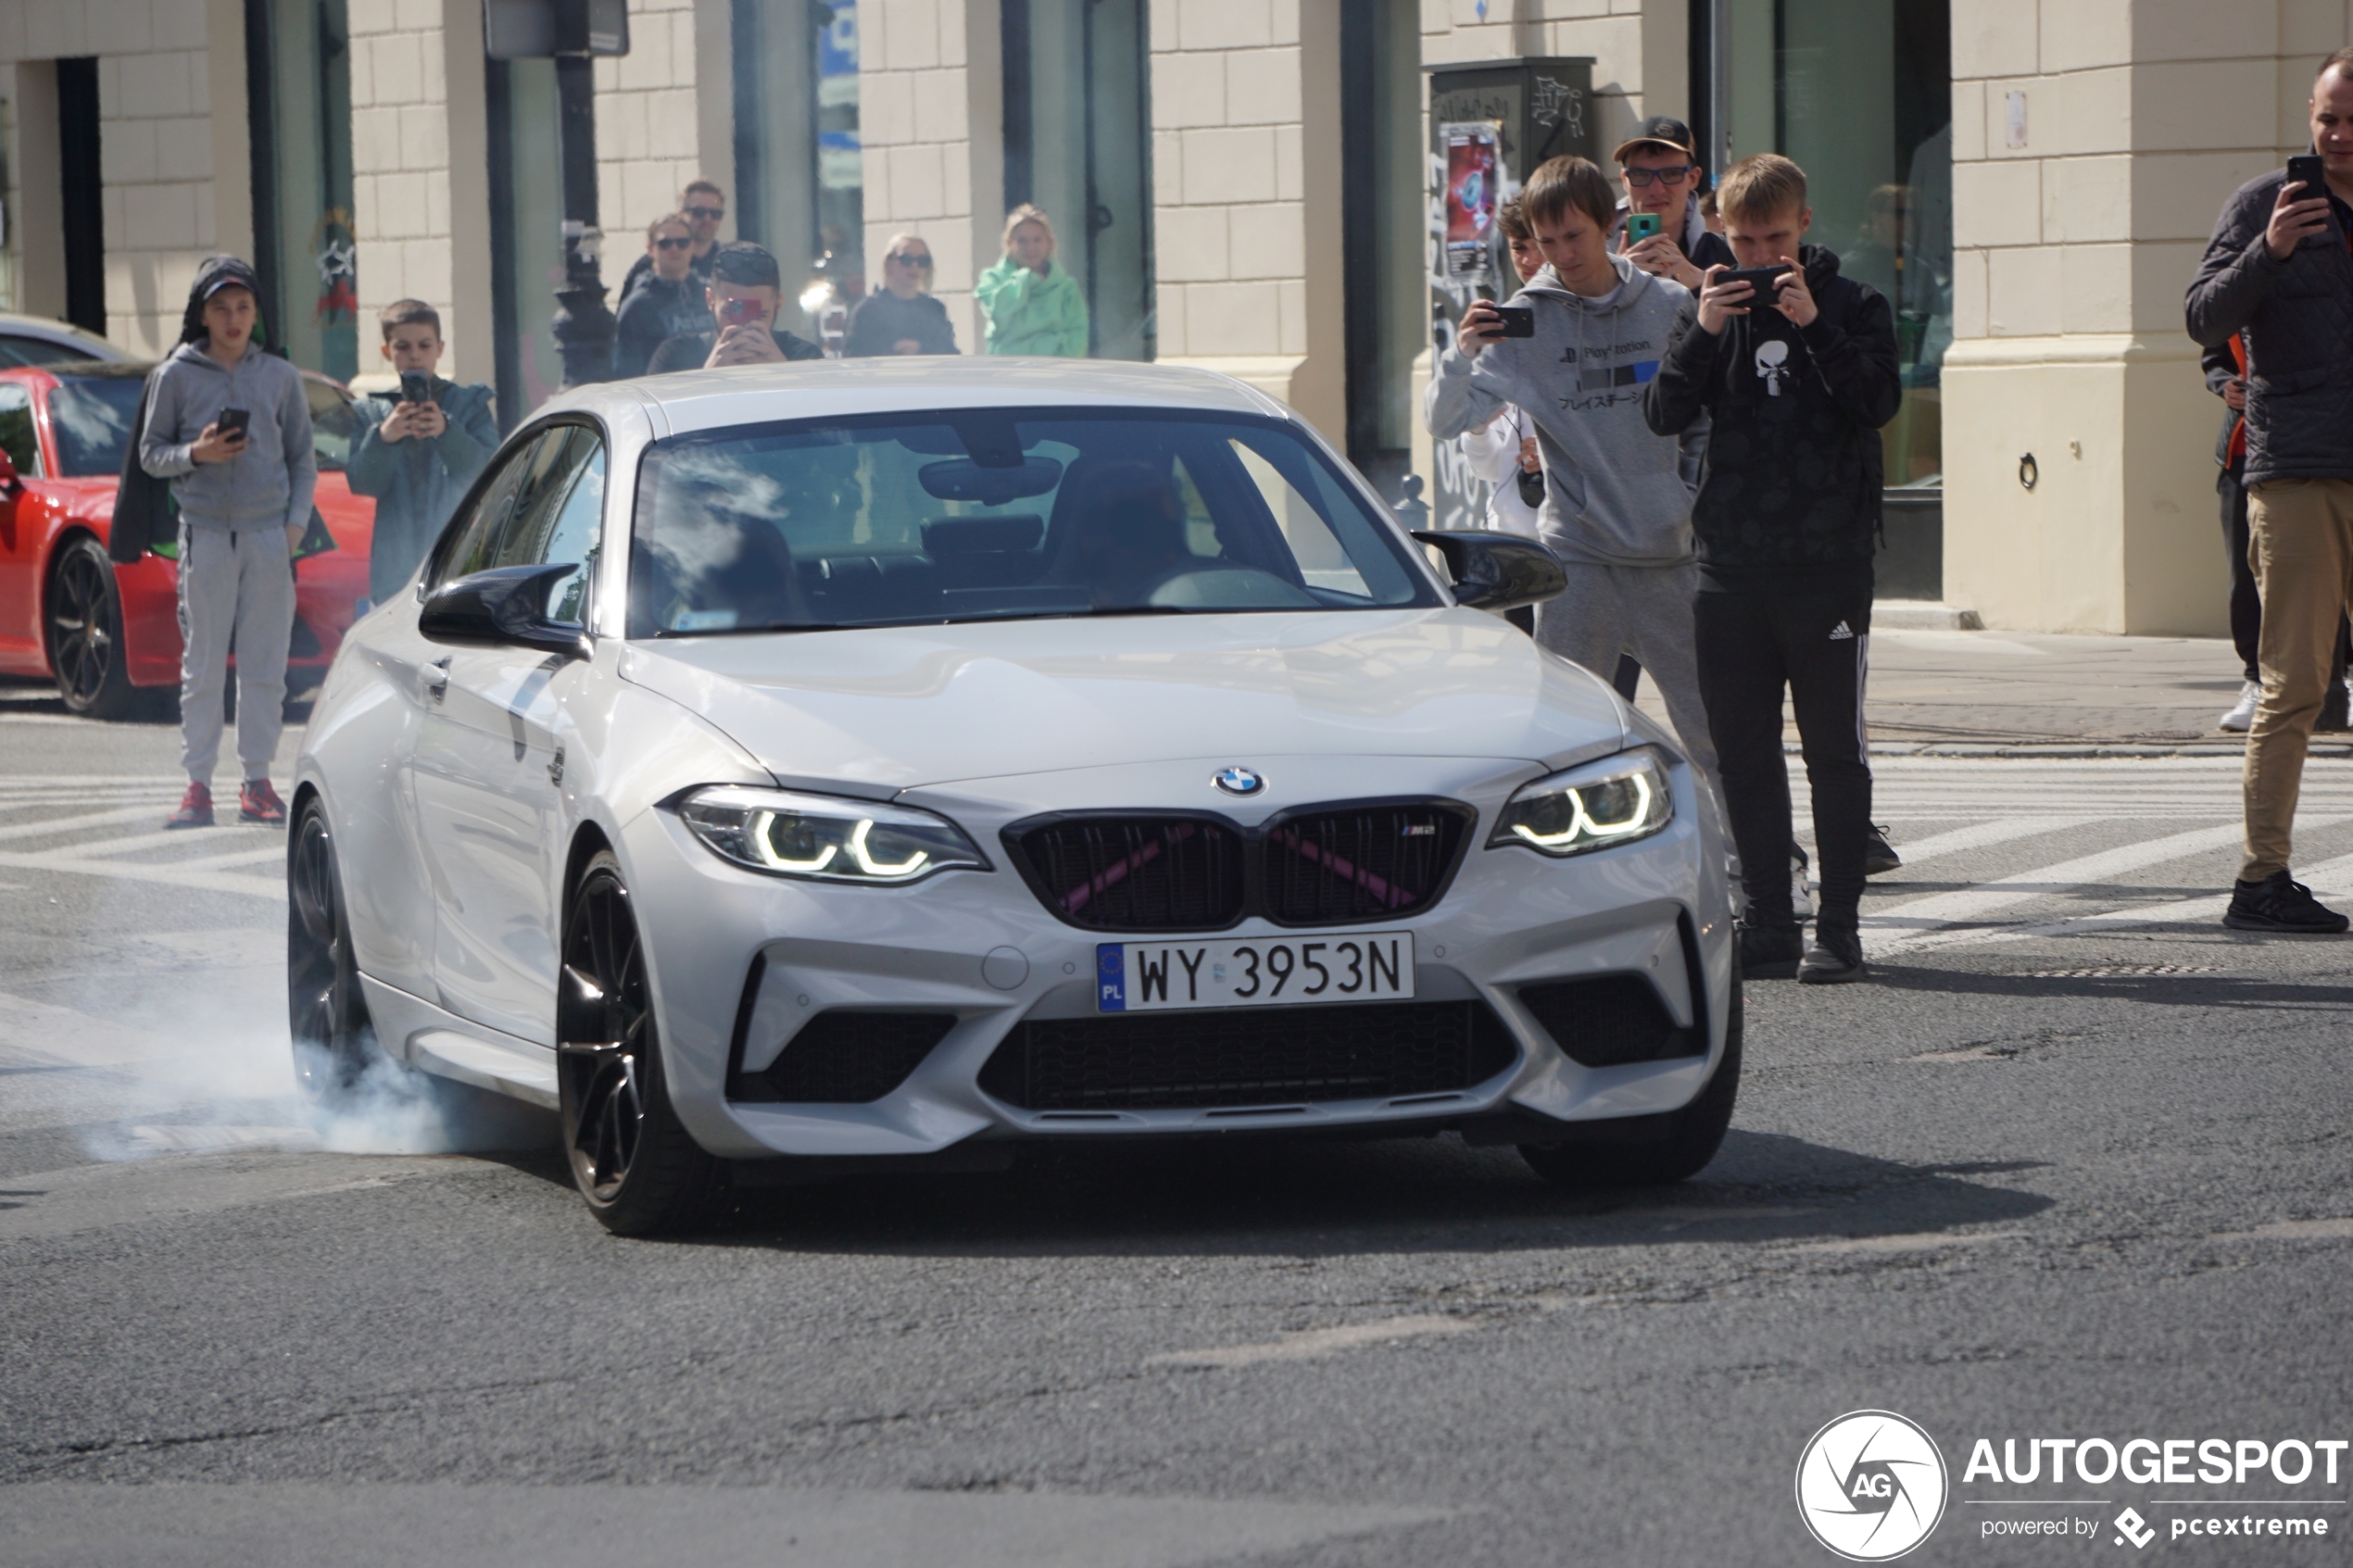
2300 544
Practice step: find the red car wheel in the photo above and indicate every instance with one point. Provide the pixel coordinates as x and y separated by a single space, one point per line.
86 650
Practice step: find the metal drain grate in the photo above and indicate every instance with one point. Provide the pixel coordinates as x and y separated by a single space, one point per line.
2119 971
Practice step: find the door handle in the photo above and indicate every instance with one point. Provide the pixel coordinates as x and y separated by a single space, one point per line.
437 681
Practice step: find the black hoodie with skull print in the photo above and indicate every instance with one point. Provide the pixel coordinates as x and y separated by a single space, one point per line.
1789 495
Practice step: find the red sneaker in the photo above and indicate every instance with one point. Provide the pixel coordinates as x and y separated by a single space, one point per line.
195 809
259 803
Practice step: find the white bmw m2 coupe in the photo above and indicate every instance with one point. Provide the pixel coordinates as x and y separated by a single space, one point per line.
889 764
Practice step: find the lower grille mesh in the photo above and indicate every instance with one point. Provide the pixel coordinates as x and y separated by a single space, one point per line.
847 1055
1274 1056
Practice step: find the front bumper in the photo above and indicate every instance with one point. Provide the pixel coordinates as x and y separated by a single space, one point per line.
740 962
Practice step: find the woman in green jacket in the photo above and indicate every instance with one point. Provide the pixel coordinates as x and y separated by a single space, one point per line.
1033 306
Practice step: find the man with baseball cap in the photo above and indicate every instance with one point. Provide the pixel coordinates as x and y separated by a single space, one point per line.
1660 169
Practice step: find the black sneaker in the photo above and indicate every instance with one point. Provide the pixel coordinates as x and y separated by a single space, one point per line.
1835 957
1769 948
2278 904
1879 855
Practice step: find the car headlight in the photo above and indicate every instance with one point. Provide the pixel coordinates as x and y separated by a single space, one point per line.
820 838
1615 800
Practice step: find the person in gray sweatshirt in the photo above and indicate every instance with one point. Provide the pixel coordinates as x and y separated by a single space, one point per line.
1617 500
245 501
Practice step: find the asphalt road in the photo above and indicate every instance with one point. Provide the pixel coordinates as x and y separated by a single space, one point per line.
2074 1166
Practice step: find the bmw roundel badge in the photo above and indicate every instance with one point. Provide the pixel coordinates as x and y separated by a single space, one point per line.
1240 781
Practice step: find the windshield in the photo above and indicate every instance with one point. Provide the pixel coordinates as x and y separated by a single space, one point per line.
90 418
1000 514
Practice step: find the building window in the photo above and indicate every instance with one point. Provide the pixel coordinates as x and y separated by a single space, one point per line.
298 100
1078 147
800 175
1860 92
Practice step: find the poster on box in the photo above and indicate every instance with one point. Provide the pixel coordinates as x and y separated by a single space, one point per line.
1474 177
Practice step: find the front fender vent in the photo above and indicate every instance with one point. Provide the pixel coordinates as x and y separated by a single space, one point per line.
846 1056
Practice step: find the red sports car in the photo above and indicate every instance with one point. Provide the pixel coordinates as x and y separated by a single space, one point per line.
109 635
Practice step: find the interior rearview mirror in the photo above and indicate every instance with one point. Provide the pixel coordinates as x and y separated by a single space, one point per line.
501 608
1496 571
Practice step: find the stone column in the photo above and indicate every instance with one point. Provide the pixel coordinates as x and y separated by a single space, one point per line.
2093 141
1246 153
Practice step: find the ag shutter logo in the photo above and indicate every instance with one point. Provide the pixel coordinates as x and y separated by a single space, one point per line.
1871 1485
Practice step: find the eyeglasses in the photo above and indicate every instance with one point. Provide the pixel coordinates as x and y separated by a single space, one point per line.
708 214
1641 178
681 242
905 261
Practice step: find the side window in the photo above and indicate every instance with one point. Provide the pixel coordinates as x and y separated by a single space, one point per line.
472 539
334 422
562 526
15 428
15 350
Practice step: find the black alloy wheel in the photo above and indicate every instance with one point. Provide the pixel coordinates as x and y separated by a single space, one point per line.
1691 1138
85 633
640 1171
333 1044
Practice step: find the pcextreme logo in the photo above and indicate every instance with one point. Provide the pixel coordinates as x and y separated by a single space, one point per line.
1871 1485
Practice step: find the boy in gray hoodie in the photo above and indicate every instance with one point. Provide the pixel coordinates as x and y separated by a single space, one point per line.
1617 500
245 501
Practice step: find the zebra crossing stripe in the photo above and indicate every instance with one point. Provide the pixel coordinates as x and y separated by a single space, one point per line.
1924 923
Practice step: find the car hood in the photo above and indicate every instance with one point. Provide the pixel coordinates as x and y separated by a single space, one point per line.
877 710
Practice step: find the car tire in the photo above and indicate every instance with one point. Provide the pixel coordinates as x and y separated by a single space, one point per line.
335 1043
1692 1137
84 633
639 1170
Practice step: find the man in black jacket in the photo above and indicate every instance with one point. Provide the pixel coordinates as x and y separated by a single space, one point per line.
1796 389
743 294
2279 272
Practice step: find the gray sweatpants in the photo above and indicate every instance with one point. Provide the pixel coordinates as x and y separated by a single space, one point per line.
233 588
1644 610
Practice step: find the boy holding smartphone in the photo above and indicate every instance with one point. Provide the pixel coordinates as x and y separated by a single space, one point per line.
1795 384
418 449
229 427
1663 231
1616 501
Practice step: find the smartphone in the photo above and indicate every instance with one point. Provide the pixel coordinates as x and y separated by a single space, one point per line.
1765 280
2308 167
232 423
738 313
1640 226
415 387
1519 321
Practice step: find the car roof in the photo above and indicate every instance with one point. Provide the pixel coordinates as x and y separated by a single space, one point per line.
129 370
63 333
693 401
